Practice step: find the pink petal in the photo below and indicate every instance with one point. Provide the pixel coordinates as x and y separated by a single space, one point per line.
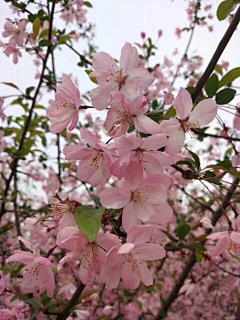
74 122
235 236
129 217
146 125
141 77
204 112
134 175
154 142
140 234
100 96
221 245
130 276
164 213
139 106
129 58
90 137
58 127
107 240
151 164
126 248
145 274
103 61
149 251
49 280
114 198
175 143
236 121
171 126
183 104
218 235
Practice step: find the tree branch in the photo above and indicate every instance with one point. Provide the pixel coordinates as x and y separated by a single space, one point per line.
217 54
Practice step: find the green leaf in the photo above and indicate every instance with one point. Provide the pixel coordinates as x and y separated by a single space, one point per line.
88 4
45 43
10 84
225 96
94 80
230 77
225 164
196 158
234 172
64 39
96 199
224 9
212 85
170 237
218 68
36 26
182 231
89 220
33 302
171 112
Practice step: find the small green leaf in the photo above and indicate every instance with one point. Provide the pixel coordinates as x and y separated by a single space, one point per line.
196 158
218 68
224 9
170 237
45 43
225 96
33 302
234 172
96 199
89 220
64 39
182 231
171 112
94 80
211 87
87 4
225 164
36 26
10 84
230 77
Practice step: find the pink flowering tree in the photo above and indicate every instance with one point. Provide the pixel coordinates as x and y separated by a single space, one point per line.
133 214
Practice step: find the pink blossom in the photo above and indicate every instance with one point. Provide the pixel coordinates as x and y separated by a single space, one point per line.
13 314
178 32
143 35
236 119
139 198
92 254
37 274
11 49
64 110
17 34
124 114
2 282
160 33
128 79
127 261
203 114
145 151
95 162
228 241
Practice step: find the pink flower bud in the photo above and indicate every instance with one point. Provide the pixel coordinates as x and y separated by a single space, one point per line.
143 35
160 33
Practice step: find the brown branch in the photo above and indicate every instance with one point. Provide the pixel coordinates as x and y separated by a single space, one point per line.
72 303
217 54
174 293
28 121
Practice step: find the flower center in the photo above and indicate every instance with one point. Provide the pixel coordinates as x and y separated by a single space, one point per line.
137 196
186 125
34 271
120 79
66 104
234 247
131 258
